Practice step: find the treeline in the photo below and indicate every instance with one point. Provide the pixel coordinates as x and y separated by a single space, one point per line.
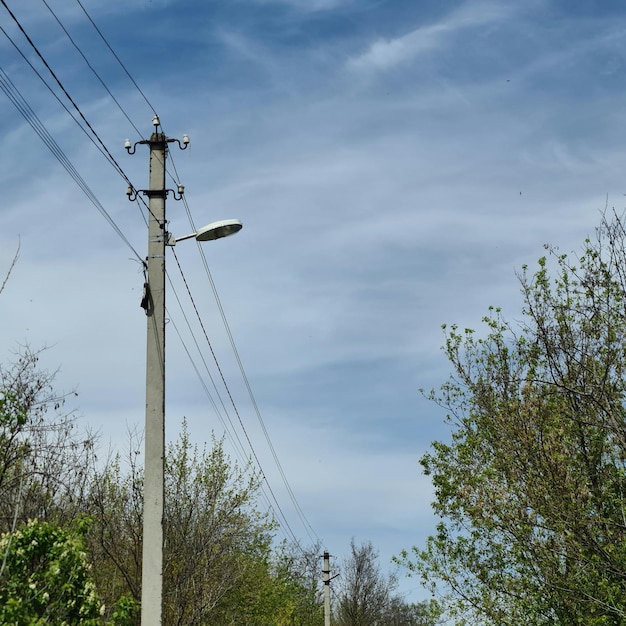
71 532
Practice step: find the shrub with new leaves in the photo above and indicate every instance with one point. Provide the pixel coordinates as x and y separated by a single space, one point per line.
45 577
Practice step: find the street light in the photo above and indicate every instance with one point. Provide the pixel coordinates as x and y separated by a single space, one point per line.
215 230
153 302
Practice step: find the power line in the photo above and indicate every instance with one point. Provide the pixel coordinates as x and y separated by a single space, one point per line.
104 150
109 156
102 82
254 454
67 110
206 367
296 504
78 49
116 57
297 507
232 432
124 68
93 137
20 103
97 142
290 492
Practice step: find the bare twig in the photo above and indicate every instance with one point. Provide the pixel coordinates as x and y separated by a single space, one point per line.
13 262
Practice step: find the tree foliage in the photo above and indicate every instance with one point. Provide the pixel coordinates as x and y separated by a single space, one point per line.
214 533
298 571
220 559
45 462
364 591
220 564
531 489
45 577
366 596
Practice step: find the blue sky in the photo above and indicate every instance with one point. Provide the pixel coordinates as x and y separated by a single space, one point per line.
394 163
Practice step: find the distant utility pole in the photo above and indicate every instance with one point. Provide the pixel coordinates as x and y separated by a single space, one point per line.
327 579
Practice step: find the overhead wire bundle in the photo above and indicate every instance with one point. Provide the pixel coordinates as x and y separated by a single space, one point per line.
222 409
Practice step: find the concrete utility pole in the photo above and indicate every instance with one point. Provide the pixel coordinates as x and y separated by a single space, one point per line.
154 487
326 578
154 304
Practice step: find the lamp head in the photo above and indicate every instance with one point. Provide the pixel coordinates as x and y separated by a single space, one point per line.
217 230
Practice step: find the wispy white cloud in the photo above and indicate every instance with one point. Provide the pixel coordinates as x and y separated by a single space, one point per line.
387 53
307 5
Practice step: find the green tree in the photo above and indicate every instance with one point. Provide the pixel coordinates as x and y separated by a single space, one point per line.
401 613
366 596
215 538
299 572
45 577
364 592
276 589
115 504
214 531
45 462
531 488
